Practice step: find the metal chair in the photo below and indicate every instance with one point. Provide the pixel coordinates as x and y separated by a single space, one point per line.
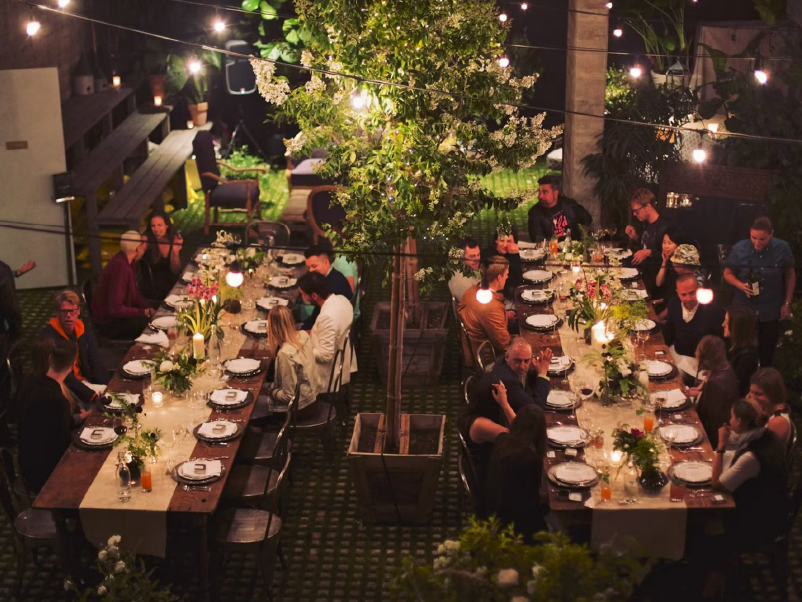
322 211
318 419
261 231
485 357
467 388
87 290
219 193
467 484
790 456
259 445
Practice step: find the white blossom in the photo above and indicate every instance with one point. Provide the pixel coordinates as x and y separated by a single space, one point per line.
119 567
507 577
440 563
166 366
103 554
113 551
101 590
450 545
114 540
251 252
315 85
306 58
273 91
294 145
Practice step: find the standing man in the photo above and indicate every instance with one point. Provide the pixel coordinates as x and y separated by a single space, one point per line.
471 259
761 270
554 215
647 246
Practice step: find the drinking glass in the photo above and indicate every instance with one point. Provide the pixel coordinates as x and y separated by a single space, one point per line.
643 336
606 490
170 442
648 421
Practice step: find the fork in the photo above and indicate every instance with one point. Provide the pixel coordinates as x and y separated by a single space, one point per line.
196 488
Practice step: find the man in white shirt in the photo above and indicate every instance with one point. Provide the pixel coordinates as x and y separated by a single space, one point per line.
331 331
459 282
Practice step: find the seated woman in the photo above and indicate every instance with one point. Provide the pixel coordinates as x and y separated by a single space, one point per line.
715 396
162 261
680 256
515 473
46 415
506 245
295 360
739 328
482 420
768 390
756 479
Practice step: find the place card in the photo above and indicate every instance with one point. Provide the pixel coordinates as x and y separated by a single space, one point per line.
570 451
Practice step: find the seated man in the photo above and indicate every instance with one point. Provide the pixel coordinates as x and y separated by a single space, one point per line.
459 282
331 330
526 381
88 368
688 322
486 319
117 304
554 214
319 260
45 418
506 246
647 245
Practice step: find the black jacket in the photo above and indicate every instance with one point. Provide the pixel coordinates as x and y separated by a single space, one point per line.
536 390
541 226
719 392
338 285
685 336
44 430
10 316
90 361
744 363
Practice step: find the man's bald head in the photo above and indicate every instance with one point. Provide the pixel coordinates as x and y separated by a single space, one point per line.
519 356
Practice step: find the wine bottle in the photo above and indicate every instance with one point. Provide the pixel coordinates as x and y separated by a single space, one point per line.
752 281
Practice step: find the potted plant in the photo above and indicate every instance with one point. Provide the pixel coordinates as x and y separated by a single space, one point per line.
408 163
83 80
643 450
196 92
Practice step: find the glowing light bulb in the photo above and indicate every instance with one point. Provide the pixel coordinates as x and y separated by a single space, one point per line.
32 27
194 66
609 5
484 296
219 25
503 62
636 72
234 279
524 6
761 76
618 32
502 17
704 295
358 102
63 3
699 155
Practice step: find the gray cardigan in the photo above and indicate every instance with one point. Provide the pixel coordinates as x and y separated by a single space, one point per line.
291 364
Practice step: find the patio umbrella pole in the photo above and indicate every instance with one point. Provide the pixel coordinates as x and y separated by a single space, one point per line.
394 369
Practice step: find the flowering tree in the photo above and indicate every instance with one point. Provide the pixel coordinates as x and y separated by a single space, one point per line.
414 106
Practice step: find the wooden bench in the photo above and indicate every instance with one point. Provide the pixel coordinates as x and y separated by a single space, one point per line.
82 113
144 188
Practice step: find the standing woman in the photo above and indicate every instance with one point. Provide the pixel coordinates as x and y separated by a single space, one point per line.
162 256
719 391
295 360
768 390
515 473
739 328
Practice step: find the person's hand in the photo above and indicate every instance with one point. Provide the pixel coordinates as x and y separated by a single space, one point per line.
26 268
745 288
723 436
631 232
666 256
785 312
641 256
512 314
178 242
84 413
693 391
512 247
543 361
150 312
500 393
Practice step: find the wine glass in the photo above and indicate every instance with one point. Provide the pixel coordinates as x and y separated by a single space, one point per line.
643 336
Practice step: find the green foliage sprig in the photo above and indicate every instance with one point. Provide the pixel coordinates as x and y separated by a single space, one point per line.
173 371
619 377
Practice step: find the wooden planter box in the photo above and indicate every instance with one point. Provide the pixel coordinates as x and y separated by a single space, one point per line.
408 479
423 347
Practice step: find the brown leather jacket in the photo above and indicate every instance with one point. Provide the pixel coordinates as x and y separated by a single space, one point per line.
483 323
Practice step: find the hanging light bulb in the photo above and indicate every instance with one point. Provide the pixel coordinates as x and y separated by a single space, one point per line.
504 62
194 66
32 27
234 278
219 25
699 155
484 296
609 5
636 72
704 295
618 32
63 3
502 17
761 76
524 6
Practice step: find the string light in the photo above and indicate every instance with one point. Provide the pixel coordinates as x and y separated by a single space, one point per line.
761 76
618 32
234 278
503 62
699 155
194 66
704 295
63 3
32 27
502 17
219 25
609 5
484 295
524 6
636 72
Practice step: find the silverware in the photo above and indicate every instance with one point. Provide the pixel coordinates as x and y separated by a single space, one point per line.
196 488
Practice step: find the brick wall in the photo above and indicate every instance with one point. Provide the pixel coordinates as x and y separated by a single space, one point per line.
59 42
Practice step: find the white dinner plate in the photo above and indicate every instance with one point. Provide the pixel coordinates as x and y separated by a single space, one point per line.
108 435
572 436
531 254
164 322
658 368
628 274
283 282
560 364
537 296
560 399
225 397
674 398
267 303
618 253
188 276
542 320
243 365
575 472
116 404
207 429
538 276
693 472
213 469
645 324
178 301
136 368
293 259
256 326
683 433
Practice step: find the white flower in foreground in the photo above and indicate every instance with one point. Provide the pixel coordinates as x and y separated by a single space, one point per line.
451 545
507 577
307 58
166 366
251 252
114 540
103 554
113 551
101 590
119 567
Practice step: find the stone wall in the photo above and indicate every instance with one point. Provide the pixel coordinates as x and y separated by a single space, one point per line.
59 42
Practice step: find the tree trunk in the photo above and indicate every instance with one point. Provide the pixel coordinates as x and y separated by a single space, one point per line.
396 355
412 287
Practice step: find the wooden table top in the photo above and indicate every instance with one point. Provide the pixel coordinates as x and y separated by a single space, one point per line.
81 113
655 348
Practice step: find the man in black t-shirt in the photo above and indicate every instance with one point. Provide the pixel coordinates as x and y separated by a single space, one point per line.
648 245
555 214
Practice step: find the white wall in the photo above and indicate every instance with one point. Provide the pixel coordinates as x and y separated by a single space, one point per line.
30 110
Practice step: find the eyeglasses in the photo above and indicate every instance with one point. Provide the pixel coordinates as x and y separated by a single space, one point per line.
69 312
636 209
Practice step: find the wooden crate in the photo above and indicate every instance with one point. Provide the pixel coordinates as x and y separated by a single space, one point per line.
423 347
407 480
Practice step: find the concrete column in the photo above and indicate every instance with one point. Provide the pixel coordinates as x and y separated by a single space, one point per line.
584 91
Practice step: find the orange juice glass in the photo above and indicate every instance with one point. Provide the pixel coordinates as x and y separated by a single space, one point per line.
648 422
554 248
147 480
606 491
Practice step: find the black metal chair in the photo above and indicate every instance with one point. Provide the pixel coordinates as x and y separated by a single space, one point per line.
262 231
467 388
318 419
87 290
228 195
485 357
321 210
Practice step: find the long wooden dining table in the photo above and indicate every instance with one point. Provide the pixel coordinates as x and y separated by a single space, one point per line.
78 469
701 506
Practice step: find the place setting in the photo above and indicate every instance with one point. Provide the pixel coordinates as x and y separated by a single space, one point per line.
115 403
95 438
218 431
691 474
291 259
229 399
531 255
680 435
243 367
560 365
282 282
562 401
659 370
198 473
645 325
627 274
268 303
164 323
537 296
564 436
542 322
136 369
575 475
673 400
537 276
178 302
255 328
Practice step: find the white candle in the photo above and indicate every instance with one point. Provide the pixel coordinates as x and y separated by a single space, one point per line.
115 81
598 335
190 125
158 399
197 346
157 100
615 458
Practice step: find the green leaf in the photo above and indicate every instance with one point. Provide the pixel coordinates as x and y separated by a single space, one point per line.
268 12
306 35
292 37
250 5
269 51
289 25
290 55
274 53
262 29
719 58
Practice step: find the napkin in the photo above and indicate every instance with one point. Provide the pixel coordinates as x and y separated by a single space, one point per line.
674 398
207 429
694 472
99 389
566 434
129 397
575 472
160 338
638 293
213 469
219 396
683 433
108 435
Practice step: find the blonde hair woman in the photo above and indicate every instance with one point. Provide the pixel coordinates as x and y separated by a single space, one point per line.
295 360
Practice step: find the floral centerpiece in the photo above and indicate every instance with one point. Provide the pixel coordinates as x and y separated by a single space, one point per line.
619 377
250 258
225 239
204 314
122 577
173 372
643 450
139 443
592 302
490 563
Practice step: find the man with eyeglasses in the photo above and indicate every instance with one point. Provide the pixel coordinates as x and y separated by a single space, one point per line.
647 245
460 282
555 214
88 372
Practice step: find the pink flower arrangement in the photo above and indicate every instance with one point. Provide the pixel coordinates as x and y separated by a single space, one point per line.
200 291
606 293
